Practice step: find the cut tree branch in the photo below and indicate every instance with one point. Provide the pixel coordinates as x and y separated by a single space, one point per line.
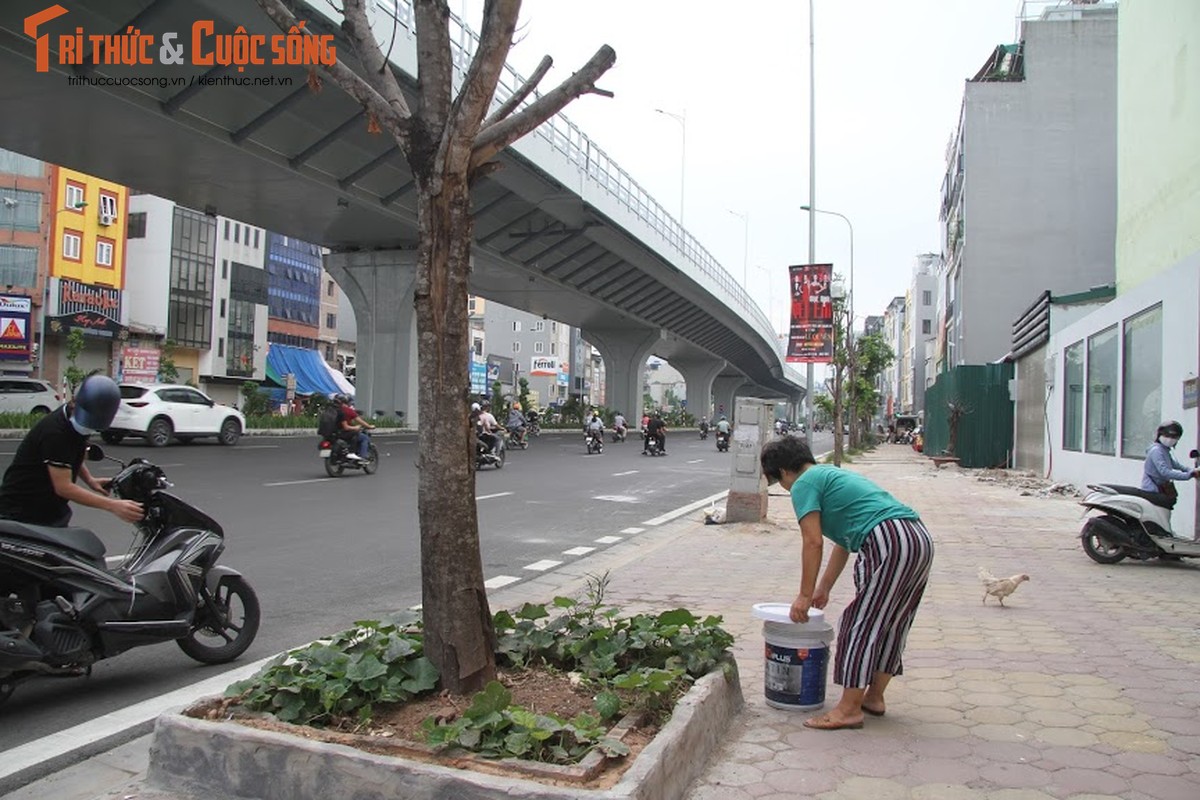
494 138
396 121
510 105
379 75
435 65
479 86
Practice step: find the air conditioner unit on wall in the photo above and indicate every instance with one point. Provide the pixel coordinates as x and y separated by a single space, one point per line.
107 219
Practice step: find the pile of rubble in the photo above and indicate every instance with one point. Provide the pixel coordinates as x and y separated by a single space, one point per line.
1029 484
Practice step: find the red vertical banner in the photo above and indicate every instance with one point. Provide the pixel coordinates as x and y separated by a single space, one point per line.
811 339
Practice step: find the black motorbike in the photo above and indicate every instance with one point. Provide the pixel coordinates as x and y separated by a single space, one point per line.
618 435
722 442
517 437
594 441
703 430
335 452
652 445
485 457
62 608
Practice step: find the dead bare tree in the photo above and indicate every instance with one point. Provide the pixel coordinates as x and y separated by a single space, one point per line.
449 144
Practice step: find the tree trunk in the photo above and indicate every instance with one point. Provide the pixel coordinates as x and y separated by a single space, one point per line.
459 636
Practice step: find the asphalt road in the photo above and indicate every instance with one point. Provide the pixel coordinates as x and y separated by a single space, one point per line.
324 552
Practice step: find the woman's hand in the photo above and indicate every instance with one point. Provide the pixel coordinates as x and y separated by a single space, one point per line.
820 597
800 606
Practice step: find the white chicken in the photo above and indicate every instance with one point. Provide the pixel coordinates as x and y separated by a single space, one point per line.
999 588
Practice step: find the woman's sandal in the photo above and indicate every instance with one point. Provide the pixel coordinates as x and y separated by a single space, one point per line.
824 723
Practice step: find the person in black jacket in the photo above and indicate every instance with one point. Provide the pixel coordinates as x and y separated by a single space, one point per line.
658 429
41 480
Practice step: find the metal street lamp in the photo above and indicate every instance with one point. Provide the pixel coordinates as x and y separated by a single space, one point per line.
682 120
812 189
745 218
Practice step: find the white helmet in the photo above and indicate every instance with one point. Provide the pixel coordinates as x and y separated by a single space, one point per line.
474 406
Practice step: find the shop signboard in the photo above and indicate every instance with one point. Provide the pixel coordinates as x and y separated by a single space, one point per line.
15 342
139 364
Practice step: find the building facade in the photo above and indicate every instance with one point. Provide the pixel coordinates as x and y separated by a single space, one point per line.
26 189
327 336
294 291
1029 198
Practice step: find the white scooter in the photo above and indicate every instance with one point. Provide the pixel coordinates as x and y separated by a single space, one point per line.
1133 524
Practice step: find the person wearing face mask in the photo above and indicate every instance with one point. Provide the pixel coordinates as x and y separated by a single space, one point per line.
41 480
1161 469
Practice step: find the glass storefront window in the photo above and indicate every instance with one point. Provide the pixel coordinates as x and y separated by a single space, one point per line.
1102 395
1141 382
1073 397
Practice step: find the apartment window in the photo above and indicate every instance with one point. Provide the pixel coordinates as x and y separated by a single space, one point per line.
75 196
227 230
137 225
256 238
20 210
221 346
554 348
470 305
516 326
237 232
108 205
1101 397
224 268
18 265
539 348
1141 381
553 327
331 289
1073 397
539 326
926 298
104 252
331 320
222 308
72 244
516 347
478 346
926 326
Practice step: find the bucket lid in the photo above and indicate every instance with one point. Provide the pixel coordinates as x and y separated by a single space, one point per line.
781 612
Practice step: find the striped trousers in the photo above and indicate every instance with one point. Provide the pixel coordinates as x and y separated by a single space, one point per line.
890 575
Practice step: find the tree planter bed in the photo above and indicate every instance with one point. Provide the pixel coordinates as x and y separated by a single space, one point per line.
225 759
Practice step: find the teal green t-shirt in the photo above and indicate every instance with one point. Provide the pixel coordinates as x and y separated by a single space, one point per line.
850 505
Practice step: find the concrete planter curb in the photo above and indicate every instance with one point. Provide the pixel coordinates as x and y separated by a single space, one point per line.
227 760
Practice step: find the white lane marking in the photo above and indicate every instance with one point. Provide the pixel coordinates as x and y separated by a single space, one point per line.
608 540
258 447
296 483
490 496
100 728
543 565
695 461
632 531
679 512
621 474
618 498
578 551
500 580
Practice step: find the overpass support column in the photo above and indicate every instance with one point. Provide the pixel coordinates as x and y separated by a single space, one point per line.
625 351
724 388
379 285
699 374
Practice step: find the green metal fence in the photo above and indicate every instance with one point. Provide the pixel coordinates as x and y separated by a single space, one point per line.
985 428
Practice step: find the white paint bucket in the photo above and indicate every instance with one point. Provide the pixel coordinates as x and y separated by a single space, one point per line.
797 658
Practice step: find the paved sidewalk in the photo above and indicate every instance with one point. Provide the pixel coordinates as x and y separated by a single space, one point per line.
1087 686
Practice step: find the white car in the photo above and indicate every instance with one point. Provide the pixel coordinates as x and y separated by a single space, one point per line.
158 412
27 395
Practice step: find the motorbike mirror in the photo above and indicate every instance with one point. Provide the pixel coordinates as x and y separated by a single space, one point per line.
95 452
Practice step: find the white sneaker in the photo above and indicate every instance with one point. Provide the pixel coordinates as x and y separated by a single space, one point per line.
353 457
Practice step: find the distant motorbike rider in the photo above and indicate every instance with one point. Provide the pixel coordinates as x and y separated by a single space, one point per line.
351 427
488 428
704 425
1161 469
619 424
723 426
656 429
516 422
594 427
41 480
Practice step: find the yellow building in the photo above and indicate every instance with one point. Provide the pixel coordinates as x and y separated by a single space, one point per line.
88 240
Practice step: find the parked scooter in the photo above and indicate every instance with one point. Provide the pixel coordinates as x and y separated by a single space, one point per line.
62 608
1133 524
335 452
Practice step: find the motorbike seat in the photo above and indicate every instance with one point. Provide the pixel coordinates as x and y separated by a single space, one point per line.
78 540
1155 498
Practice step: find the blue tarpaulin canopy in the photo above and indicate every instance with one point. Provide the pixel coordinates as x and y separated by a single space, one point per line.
312 377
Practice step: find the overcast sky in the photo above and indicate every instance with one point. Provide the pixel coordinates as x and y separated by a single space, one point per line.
890 77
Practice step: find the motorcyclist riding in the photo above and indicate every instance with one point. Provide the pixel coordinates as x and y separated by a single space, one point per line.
516 423
1161 469
351 427
703 427
595 426
488 427
40 481
723 426
619 423
658 429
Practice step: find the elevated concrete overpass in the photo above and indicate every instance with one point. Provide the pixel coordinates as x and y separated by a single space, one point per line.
561 231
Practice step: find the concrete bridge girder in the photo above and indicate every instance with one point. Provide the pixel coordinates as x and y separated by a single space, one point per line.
625 351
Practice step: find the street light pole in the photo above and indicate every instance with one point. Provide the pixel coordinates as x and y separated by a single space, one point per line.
745 218
682 120
812 192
